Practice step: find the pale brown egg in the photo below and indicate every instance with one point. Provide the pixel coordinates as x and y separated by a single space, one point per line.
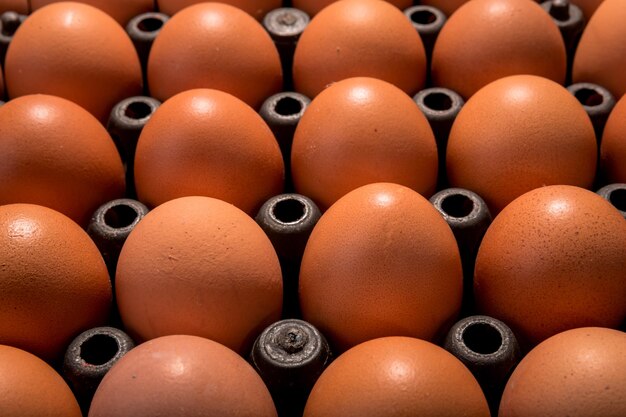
359 38
577 373
588 7
53 281
200 266
613 145
224 48
207 142
519 133
30 387
446 6
120 10
380 262
60 50
485 40
312 7
54 153
396 376
552 260
182 376
601 53
19 6
256 8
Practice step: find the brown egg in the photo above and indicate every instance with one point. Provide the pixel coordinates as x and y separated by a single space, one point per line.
241 60
396 376
359 131
207 142
200 266
580 372
54 153
588 7
53 281
517 134
601 53
1 84
446 6
183 376
613 145
554 259
359 38
30 387
19 6
256 8
120 10
312 7
485 40
380 262
59 50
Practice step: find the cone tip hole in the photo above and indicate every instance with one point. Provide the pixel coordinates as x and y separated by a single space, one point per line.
99 349
457 205
589 97
289 210
288 106
423 17
618 198
120 216
482 338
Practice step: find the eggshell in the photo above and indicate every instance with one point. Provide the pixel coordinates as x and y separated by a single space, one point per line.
225 49
588 7
580 372
554 259
517 134
59 50
312 7
446 6
485 40
30 387
207 142
183 376
256 8
601 53
199 266
380 262
396 376
19 6
613 145
1 84
354 38
120 10
53 281
54 153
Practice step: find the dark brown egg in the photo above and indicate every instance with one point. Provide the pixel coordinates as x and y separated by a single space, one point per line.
53 281
256 8
19 6
380 262
552 260
359 38
120 10
601 53
30 387
312 7
485 40
613 145
183 376
519 133
59 50
396 376
54 153
580 372
225 49
446 6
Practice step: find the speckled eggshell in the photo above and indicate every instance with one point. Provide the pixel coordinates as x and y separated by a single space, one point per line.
554 259
53 281
20 6
60 50
256 8
207 142
380 262
312 7
613 145
120 10
199 266
183 376
601 53
588 6
395 377
485 40
359 131
517 134
30 387
446 6
577 373
54 153
224 48
359 38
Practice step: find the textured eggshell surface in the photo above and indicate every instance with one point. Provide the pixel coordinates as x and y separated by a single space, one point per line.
359 38
207 142
224 48
183 376
554 259
120 10
30 387
577 373
485 40
19 6
396 377
601 53
59 50
380 262
613 145
53 281
56 154
359 131
200 266
517 134
256 8
312 7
